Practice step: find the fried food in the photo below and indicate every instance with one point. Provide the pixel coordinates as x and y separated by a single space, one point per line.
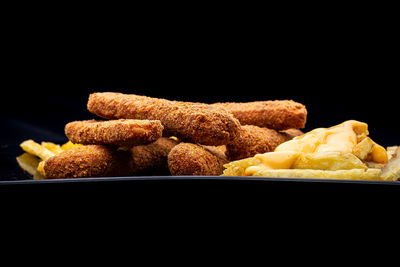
31 164
374 165
114 132
36 149
88 161
254 140
28 163
291 133
238 167
328 160
344 137
152 158
277 114
69 145
342 150
56 149
190 122
391 150
363 148
391 171
40 168
193 159
33 161
354 174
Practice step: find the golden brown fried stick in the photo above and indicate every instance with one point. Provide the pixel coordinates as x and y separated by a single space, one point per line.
254 140
103 161
88 161
291 133
192 122
192 159
152 158
277 114
114 132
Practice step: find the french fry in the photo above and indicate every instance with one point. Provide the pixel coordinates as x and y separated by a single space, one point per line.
354 174
328 160
56 149
69 145
391 150
40 168
238 167
36 149
28 163
363 148
325 160
38 176
374 165
391 171
319 165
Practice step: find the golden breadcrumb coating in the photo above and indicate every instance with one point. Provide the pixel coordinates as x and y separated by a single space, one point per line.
152 158
193 159
291 133
276 114
88 161
190 122
114 132
254 140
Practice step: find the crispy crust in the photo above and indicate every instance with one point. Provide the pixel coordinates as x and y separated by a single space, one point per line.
192 122
88 161
114 132
277 114
291 133
193 159
152 157
254 140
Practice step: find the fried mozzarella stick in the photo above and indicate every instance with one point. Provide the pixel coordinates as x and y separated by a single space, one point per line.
104 161
153 157
193 159
291 133
114 132
88 161
254 140
276 114
190 122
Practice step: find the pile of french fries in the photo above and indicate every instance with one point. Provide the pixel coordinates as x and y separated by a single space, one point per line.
327 165
32 161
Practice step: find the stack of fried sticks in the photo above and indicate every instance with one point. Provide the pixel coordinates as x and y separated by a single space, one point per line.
145 135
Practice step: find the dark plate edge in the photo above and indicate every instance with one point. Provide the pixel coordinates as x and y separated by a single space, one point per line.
189 178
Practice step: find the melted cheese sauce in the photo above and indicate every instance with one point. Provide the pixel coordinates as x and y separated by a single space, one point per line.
343 137
273 160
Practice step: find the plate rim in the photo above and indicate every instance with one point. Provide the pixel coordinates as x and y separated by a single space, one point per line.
193 178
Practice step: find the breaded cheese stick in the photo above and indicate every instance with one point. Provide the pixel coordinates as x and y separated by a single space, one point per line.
88 161
114 132
254 140
190 122
193 159
152 158
291 133
276 114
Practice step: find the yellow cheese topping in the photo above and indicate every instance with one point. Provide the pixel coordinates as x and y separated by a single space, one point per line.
343 137
273 160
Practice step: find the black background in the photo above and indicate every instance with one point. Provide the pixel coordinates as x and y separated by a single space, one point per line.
339 69
336 81
341 65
